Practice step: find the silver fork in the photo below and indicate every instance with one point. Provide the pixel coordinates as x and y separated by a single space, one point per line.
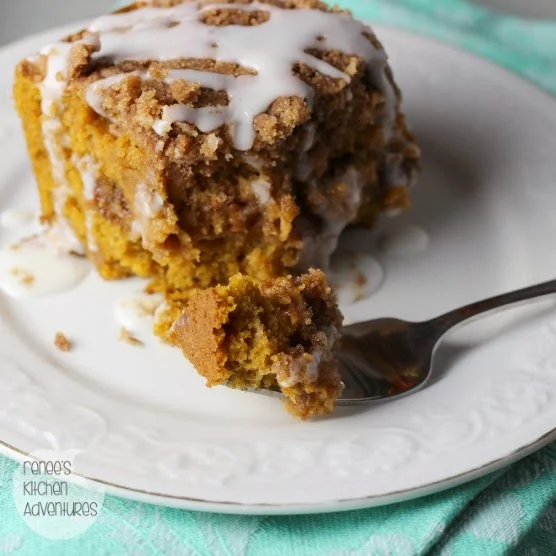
387 358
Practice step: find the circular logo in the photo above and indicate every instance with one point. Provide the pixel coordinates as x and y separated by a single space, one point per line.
51 499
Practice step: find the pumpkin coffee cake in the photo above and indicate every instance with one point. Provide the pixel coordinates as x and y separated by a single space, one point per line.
189 142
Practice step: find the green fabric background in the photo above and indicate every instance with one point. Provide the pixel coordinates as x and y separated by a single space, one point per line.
512 511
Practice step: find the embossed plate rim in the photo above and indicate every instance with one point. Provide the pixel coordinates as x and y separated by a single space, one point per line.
339 505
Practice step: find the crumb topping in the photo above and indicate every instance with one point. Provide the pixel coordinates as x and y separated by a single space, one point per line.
62 342
164 64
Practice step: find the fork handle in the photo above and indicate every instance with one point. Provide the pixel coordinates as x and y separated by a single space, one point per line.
453 318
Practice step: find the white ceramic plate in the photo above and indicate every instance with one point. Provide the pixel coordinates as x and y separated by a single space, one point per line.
149 429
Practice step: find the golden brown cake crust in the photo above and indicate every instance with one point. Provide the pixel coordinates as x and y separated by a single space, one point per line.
277 334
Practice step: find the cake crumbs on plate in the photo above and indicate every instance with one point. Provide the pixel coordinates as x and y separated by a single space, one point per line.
62 342
127 337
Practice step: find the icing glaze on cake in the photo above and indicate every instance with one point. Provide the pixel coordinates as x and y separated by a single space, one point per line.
164 34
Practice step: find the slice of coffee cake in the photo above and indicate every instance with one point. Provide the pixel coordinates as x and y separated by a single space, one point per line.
186 142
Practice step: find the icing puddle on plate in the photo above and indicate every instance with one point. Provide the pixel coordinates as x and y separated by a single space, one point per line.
39 264
357 275
403 241
34 269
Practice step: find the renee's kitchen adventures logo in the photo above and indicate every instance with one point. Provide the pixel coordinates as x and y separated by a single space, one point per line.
51 499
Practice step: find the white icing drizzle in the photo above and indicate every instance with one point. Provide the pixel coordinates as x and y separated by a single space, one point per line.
309 140
302 369
385 85
94 96
317 249
352 178
88 170
393 212
170 33
304 165
147 205
256 162
261 190
394 174
52 89
36 267
355 276
305 368
404 241
54 83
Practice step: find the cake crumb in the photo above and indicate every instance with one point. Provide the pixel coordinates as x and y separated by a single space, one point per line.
62 342
127 337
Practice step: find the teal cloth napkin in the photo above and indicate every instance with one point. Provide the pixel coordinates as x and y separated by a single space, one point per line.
512 511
